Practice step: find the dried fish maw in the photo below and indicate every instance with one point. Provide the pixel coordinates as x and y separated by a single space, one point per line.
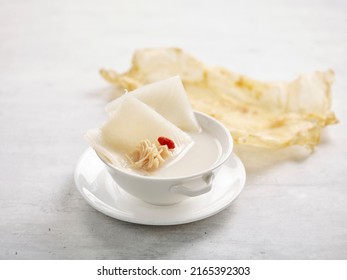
264 114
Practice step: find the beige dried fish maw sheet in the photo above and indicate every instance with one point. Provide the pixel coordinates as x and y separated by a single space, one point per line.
264 114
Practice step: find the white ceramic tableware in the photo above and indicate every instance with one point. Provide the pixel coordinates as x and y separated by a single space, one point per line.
102 193
171 190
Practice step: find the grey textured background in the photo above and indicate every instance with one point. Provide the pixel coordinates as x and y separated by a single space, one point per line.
294 204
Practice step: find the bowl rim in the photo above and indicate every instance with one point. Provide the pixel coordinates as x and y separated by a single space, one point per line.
224 157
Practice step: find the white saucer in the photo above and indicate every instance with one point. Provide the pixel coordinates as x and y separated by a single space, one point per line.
102 193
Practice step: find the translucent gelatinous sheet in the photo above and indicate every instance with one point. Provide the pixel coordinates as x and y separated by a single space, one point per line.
272 115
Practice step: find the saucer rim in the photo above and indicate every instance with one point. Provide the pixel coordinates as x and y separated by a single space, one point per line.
117 213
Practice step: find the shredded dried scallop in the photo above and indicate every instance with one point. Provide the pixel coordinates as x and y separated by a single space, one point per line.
148 156
272 115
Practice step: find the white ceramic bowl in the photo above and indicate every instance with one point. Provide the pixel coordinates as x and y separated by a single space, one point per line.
166 191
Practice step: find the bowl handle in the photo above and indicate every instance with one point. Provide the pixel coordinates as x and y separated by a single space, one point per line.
185 190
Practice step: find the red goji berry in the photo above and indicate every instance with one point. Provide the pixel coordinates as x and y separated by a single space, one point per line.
166 141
